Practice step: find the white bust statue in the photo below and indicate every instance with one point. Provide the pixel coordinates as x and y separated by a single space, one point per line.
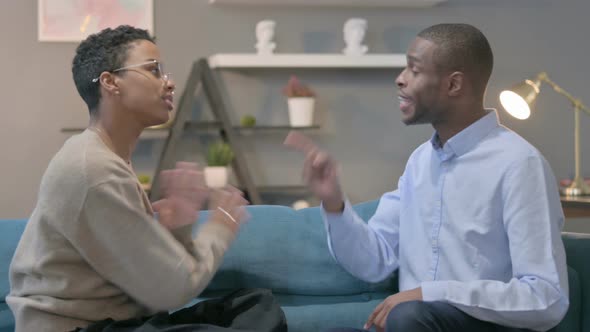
354 33
265 31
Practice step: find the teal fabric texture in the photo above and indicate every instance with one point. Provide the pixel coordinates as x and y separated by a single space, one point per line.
286 251
10 233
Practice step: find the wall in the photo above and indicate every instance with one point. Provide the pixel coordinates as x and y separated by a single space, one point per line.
358 110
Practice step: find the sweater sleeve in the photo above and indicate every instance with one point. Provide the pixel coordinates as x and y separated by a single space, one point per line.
128 247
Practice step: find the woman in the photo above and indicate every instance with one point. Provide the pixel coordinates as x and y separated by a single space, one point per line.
92 254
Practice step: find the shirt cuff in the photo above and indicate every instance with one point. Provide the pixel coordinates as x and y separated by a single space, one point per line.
336 224
434 291
336 217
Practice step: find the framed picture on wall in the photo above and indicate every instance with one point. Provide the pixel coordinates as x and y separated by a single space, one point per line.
74 20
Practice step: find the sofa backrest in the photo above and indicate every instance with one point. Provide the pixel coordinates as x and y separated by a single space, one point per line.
287 251
269 251
577 247
292 242
10 233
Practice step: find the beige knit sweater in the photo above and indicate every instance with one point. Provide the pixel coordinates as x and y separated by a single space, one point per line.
92 249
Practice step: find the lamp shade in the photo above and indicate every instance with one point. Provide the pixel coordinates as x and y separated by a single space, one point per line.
519 100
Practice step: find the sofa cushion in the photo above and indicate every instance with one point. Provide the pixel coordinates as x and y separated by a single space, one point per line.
324 316
9 237
577 246
307 313
6 318
571 321
10 234
286 251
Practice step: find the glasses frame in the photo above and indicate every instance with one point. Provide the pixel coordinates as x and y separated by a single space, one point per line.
163 76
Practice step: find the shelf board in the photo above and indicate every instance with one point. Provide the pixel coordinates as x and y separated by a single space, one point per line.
202 126
265 129
148 133
576 206
332 3
211 126
284 189
215 125
249 60
575 201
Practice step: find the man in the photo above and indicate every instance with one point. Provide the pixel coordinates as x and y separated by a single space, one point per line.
92 255
474 225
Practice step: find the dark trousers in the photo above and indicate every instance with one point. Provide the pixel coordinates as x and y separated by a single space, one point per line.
244 310
419 316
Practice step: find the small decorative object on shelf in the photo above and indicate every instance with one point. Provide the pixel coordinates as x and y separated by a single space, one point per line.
354 33
219 156
265 31
248 121
301 101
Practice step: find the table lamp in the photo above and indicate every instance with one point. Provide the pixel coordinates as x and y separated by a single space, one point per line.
519 101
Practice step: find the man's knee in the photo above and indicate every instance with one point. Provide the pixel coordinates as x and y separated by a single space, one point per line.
408 317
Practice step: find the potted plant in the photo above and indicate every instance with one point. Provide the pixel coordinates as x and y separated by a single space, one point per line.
248 121
219 156
301 101
145 181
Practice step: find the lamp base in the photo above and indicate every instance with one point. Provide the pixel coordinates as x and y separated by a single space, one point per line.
577 188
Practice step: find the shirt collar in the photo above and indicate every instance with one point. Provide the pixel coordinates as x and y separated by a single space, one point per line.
467 138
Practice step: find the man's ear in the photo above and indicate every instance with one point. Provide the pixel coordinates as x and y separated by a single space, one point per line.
456 81
109 82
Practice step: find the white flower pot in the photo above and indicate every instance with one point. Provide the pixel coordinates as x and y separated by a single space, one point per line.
301 111
216 176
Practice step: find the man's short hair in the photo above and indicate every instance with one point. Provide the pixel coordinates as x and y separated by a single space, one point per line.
461 47
103 51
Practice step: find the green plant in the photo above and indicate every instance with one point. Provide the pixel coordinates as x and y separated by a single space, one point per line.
219 154
248 121
295 88
144 178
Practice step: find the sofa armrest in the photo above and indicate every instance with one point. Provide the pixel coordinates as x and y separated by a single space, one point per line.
577 247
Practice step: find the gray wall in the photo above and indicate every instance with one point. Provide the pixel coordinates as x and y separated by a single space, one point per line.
357 108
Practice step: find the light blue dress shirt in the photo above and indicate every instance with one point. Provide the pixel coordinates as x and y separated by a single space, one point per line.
475 223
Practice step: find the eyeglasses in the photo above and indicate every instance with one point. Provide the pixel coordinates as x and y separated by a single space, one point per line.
157 71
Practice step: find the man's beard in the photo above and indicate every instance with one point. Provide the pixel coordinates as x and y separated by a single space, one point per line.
420 116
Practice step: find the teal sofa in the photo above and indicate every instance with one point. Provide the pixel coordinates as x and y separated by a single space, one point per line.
286 251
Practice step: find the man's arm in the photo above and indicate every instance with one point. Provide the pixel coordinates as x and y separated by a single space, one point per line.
537 295
367 251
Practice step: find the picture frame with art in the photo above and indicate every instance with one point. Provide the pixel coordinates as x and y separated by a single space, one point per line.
74 20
